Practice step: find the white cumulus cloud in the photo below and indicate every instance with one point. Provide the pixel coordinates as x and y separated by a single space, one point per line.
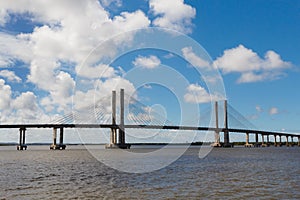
26 109
107 3
149 62
102 92
5 91
10 75
194 59
273 111
26 100
258 109
13 48
250 66
99 71
173 14
21 109
66 33
197 94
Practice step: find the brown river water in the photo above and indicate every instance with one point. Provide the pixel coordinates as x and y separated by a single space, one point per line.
235 173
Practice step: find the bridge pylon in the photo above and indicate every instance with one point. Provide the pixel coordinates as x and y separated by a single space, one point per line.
114 142
226 131
226 142
22 145
217 132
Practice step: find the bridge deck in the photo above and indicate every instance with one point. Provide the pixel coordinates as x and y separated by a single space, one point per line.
187 128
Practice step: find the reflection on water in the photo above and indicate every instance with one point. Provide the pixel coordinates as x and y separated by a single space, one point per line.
38 173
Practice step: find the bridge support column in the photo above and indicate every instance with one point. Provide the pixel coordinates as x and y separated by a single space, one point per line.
292 141
54 145
275 140
280 142
299 141
287 141
217 140
217 132
226 132
61 138
20 137
61 135
22 145
256 140
54 136
263 141
268 140
247 141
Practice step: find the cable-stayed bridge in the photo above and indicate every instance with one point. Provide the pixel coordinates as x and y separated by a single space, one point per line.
105 116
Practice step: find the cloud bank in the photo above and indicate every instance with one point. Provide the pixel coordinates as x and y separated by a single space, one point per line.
250 66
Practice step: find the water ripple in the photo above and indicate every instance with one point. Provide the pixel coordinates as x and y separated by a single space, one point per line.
238 173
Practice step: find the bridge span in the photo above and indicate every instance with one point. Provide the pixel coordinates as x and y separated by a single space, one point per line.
117 136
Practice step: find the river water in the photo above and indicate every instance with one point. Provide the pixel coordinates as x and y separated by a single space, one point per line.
236 173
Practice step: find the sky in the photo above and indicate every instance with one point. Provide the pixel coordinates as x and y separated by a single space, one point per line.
174 56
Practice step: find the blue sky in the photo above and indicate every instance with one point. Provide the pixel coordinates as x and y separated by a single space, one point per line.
47 68
260 26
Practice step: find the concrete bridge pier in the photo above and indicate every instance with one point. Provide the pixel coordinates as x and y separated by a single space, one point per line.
22 145
275 140
287 141
217 140
226 139
61 135
263 144
292 141
280 142
256 140
247 141
54 145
